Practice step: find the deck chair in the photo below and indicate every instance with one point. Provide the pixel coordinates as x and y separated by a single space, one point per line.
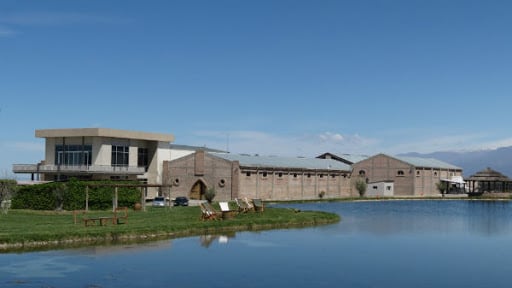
208 212
224 207
250 205
258 205
227 213
242 206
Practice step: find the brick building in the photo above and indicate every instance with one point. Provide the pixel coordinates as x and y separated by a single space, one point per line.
269 178
411 176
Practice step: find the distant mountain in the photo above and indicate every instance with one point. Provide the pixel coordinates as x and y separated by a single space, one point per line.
473 161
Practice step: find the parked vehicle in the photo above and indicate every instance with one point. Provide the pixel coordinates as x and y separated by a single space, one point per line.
181 201
159 202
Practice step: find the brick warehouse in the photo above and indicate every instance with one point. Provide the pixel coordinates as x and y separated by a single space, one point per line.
270 178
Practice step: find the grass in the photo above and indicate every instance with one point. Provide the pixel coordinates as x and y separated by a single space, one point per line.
22 230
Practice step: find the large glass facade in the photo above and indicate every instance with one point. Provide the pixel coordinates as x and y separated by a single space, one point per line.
73 155
120 155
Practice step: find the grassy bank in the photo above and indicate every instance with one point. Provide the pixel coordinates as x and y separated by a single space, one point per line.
32 230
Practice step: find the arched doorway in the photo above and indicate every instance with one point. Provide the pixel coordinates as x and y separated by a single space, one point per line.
198 190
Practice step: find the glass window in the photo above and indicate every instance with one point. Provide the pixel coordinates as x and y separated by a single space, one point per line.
120 155
73 155
142 157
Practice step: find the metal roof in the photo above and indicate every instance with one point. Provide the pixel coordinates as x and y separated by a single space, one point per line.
257 161
347 158
426 162
193 148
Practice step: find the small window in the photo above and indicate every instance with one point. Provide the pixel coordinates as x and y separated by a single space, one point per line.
248 174
362 173
309 175
333 176
375 187
321 175
222 183
435 173
400 173
264 174
418 173
294 175
280 174
389 188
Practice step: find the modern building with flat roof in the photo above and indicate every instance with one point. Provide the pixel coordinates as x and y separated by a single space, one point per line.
100 154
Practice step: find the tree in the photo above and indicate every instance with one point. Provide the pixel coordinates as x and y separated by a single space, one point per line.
7 191
210 194
361 186
58 192
442 186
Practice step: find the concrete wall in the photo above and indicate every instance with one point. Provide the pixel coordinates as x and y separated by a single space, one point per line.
380 189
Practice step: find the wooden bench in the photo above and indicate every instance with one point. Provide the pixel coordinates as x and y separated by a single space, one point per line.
92 221
121 215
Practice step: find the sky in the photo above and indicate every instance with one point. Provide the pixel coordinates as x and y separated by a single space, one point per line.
286 78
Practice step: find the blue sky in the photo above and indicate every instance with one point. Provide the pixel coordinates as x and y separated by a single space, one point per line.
290 78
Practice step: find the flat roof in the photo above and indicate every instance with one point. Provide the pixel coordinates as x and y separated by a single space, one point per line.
103 132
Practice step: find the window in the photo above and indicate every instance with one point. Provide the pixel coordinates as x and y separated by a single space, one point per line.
435 173
418 173
375 187
73 155
120 155
280 174
142 157
248 174
264 174
294 175
362 173
400 173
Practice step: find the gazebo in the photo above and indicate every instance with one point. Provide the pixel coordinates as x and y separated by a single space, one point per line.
488 180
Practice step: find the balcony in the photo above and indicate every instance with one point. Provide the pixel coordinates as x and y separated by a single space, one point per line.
81 169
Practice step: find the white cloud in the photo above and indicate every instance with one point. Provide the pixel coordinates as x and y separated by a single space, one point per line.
55 18
5 32
454 142
256 142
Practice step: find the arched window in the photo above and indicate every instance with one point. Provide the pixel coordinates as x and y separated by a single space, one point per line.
362 173
400 173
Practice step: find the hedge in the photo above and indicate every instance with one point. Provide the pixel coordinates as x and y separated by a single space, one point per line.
71 195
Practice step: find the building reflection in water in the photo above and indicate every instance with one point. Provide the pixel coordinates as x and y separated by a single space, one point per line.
207 240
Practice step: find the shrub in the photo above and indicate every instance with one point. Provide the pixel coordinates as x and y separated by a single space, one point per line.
71 195
210 194
361 186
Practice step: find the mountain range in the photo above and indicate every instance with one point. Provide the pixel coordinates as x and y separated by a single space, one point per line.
473 161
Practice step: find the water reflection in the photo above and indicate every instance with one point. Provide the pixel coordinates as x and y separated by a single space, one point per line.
207 240
47 267
377 244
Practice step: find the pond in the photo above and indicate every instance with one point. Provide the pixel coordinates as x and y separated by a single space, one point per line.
442 243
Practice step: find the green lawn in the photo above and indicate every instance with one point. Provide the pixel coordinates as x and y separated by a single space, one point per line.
27 229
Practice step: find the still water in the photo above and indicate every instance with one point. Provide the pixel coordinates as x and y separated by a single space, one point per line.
377 244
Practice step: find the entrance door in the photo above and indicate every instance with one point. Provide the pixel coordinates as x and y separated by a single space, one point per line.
197 191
